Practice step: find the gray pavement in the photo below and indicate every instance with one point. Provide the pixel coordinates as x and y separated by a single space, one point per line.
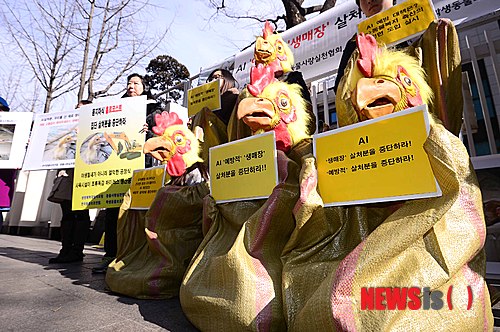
36 296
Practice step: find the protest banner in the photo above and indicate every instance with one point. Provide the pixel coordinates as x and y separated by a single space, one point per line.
244 169
317 44
376 160
145 185
109 149
53 141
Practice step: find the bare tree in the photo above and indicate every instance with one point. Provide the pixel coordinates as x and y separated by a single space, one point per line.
295 13
41 33
113 43
79 45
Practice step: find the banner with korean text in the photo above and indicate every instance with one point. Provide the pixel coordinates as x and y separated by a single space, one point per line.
53 141
145 185
109 148
317 44
378 160
14 135
244 169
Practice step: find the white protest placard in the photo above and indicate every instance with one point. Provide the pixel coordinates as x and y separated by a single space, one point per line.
14 135
109 148
53 141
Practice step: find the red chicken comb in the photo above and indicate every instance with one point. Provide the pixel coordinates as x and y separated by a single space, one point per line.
165 120
260 77
368 49
268 30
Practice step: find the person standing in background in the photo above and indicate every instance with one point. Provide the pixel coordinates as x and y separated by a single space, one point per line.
135 87
75 224
369 8
228 93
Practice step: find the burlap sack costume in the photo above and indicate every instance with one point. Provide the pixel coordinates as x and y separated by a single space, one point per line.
234 280
434 242
148 268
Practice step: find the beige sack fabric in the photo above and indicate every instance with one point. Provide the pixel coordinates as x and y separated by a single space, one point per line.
433 242
234 280
151 267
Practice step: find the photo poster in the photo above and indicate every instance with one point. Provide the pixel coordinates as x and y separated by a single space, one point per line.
245 169
53 141
15 130
206 95
109 148
399 23
145 184
376 160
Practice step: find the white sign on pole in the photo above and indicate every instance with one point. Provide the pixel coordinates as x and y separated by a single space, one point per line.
14 135
53 141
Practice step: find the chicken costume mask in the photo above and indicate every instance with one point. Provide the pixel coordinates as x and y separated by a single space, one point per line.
175 146
271 50
154 247
234 280
274 105
436 243
381 83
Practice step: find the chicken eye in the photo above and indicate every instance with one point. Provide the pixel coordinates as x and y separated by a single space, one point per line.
407 80
284 102
179 139
279 47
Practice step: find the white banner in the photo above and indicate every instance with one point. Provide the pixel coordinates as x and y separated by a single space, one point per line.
14 135
317 44
53 141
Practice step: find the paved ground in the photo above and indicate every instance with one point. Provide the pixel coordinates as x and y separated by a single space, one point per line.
36 296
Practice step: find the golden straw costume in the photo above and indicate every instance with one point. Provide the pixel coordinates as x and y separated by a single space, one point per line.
234 280
433 242
155 247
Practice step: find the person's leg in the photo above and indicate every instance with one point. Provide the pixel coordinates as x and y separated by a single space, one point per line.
110 237
66 233
110 240
81 227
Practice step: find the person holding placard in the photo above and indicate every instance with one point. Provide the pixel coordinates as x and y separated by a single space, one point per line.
369 8
135 87
228 93
214 122
75 224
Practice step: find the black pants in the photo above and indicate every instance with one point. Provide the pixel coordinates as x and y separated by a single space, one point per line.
75 227
110 236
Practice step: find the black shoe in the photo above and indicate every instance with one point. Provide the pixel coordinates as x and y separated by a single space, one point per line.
55 260
103 267
70 258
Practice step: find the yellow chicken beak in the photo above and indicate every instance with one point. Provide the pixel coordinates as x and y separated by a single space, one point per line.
375 97
160 148
257 113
